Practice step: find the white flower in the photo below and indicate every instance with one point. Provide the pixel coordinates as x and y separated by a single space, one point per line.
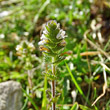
4 13
62 32
43 37
61 35
30 45
18 47
45 31
22 49
2 36
42 42
58 25
26 33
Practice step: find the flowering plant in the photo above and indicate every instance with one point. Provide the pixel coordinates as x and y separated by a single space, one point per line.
52 44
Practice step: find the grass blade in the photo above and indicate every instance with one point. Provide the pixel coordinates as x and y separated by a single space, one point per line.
76 84
44 94
75 106
33 103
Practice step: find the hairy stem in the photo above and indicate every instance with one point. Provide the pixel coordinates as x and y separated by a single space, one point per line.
53 84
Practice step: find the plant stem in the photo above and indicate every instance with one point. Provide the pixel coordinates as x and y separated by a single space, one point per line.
53 84
30 80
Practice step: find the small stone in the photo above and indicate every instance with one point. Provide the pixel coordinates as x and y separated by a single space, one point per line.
10 95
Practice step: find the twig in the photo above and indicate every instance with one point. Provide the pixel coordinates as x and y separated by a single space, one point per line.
82 54
94 45
105 82
102 64
104 90
89 53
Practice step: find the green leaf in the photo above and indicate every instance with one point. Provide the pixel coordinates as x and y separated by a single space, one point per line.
75 106
76 84
82 107
44 101
59 59
31 100
57 48
50 75
50 54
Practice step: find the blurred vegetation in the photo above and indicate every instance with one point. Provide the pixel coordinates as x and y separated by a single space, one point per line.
83 74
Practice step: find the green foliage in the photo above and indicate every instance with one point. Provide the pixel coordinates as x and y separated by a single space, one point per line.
30 99
21 24
44 102
74 107
84 107
75 82
50 75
